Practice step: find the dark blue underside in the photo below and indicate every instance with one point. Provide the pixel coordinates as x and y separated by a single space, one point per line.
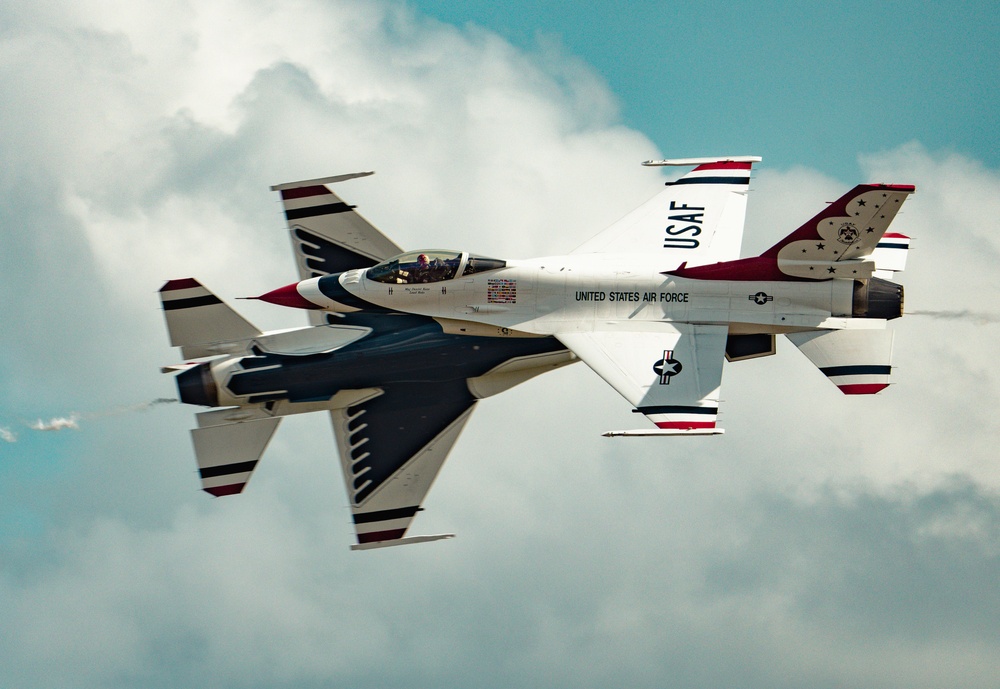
402 349
421 370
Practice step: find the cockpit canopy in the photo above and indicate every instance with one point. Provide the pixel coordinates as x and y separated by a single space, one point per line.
432 265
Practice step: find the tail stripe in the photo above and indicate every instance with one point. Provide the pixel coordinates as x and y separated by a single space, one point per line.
190 303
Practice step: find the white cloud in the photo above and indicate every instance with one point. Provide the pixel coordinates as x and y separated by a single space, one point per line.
803 547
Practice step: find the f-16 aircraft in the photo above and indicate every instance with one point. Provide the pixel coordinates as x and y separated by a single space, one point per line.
402 344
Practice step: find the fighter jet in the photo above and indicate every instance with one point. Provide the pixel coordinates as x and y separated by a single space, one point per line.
399 388
403 344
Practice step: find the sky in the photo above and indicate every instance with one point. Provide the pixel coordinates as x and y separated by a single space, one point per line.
823 541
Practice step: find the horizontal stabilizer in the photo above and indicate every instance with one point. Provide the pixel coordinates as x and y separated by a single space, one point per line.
228 453
199 322
890 254
858 362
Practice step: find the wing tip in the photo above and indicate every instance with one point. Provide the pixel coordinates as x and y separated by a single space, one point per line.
321 180
707 160
401 541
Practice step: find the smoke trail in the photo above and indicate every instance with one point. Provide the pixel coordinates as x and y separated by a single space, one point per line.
978 317
57 423
72 420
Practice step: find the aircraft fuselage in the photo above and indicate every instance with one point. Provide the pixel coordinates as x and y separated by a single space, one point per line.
577 293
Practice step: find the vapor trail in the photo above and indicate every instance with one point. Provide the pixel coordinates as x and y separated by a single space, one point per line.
57 424
72 420
979 317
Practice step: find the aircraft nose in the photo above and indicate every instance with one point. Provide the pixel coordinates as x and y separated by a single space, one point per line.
287 296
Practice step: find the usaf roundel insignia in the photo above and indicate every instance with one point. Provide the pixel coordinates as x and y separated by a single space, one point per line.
667 367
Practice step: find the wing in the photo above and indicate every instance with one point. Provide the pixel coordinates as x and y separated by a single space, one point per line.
670 372
328 235
392 446
698 219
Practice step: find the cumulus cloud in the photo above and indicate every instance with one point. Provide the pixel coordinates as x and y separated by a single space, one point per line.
822 541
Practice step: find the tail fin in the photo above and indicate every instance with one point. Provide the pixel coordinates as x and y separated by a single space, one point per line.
698 219
843 241
858 362
847 232
199 322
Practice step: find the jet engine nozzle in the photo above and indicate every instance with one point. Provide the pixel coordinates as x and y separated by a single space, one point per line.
877 298
197 386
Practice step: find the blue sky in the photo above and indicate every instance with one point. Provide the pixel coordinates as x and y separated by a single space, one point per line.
822 541
779 78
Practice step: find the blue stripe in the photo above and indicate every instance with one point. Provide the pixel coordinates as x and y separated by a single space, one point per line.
888 245
675 409
386 515
313 211
227 469
710 180
191 302
831 371
330 286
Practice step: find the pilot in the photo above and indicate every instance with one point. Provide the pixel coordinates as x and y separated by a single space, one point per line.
423 268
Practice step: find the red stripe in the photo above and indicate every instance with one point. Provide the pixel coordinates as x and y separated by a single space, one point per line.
863 388
897 187
724 165
219 491
304 192
183 283
375 536
895 235
684 425
743 269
